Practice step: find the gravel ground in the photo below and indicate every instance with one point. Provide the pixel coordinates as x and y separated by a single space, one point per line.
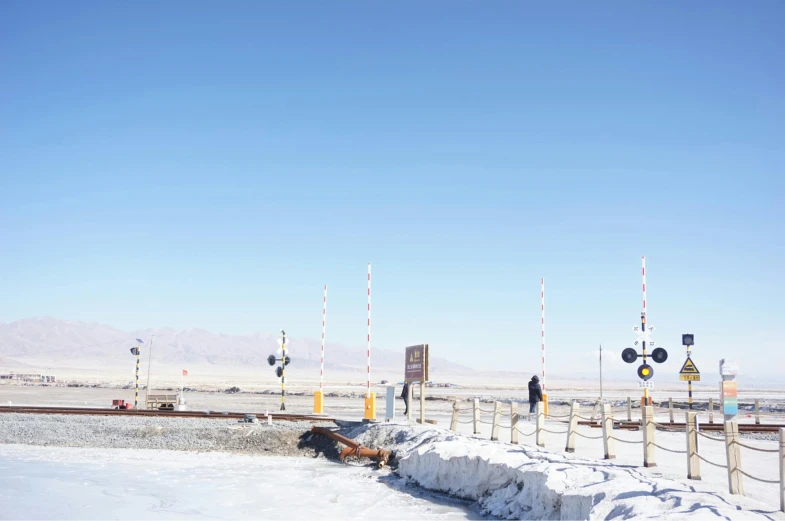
192 434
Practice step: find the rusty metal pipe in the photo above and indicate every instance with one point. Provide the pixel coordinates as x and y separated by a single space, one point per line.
353 448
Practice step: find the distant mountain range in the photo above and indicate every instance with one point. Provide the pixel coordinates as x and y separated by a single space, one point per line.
66 341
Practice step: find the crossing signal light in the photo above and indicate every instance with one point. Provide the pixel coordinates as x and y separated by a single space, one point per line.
134 351
278 371
688 339
271 359
659 355
629 355
287 360
645 372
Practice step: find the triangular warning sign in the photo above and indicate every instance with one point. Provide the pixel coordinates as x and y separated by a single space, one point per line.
689 368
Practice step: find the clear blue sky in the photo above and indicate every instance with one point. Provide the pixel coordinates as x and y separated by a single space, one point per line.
198 164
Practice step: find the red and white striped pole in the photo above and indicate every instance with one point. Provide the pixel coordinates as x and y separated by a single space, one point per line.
643 274
368 389
542 308
324 329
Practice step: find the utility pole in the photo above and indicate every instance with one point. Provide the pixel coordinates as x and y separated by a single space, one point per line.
149 363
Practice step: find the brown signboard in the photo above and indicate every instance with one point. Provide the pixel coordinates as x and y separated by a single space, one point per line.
416 364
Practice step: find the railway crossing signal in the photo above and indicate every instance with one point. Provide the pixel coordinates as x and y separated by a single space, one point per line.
285 360
137 352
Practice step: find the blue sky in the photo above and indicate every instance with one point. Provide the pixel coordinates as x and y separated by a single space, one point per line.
202 165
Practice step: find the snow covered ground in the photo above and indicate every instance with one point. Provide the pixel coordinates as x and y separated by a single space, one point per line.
76 483
518 482
670 465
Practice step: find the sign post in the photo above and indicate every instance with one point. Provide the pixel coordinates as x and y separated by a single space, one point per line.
689 373
416 370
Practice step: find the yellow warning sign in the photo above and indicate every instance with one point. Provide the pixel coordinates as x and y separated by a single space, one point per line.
690 377
689 368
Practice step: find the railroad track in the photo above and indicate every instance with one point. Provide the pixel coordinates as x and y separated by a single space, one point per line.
706 427
151 412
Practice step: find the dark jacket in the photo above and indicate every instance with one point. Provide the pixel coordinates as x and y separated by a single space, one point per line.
405 391
535 391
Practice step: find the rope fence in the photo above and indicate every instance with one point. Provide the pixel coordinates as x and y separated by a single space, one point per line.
711 462
631 442
588 437
758 449
669 450
532 433
554 432
713 438
769 481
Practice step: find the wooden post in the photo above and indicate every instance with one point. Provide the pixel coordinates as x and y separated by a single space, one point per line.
476 416
409 404
596 411
693 462
647 423
757 411
711 410
422 403
607 430
497 416
514 422
540 437
782 469
629 409
454 421
572 428
670 408
733 451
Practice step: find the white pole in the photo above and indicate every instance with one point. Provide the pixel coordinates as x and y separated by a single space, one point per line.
149 364
324 330
542 306
368 389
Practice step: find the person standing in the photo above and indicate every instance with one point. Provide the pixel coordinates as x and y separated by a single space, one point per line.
405 396
535 394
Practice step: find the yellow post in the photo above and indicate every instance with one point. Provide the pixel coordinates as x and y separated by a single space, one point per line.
318 402
370 407
545 404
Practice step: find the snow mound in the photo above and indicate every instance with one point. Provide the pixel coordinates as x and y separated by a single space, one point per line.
522 482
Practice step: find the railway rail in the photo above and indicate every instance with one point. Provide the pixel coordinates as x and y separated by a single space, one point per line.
152 412
706 427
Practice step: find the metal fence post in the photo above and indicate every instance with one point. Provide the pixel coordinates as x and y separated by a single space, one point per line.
514 422
670 408
693 462
607 430
647 422
540 424
782 469
757 411
497 416
733 451
711 410
476 416
455 411
629 409
570 447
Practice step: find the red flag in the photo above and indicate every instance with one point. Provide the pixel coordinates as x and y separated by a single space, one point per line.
185 373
